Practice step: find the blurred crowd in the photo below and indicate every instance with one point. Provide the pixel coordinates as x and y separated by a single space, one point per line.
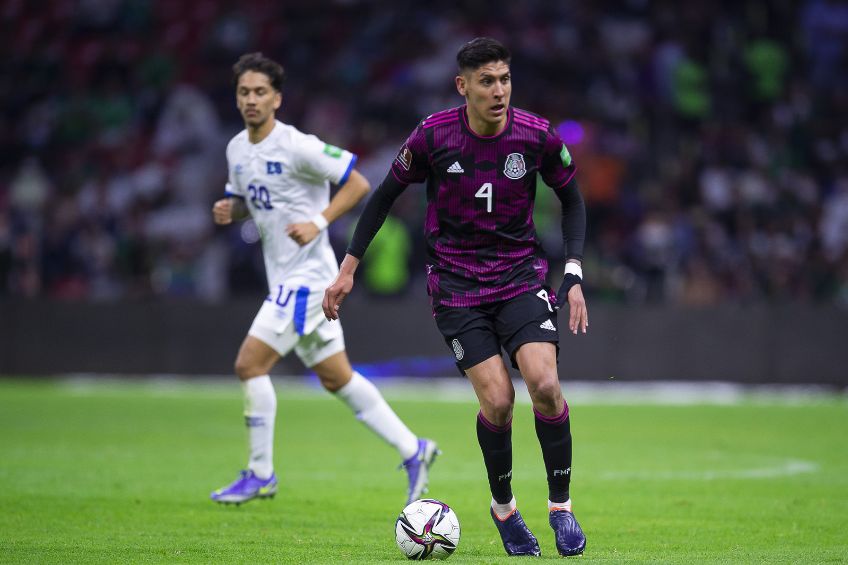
711 137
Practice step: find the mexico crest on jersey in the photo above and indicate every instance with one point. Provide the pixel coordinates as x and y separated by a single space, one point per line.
514 167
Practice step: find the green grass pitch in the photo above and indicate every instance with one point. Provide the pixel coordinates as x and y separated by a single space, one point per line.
122 473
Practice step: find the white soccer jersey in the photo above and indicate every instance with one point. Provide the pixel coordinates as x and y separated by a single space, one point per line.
284 179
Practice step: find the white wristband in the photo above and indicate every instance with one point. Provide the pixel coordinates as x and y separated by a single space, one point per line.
320 221
574 269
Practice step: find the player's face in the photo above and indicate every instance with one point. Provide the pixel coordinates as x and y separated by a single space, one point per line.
256 98
487 90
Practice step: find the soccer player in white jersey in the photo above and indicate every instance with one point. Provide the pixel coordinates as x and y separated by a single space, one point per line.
280 176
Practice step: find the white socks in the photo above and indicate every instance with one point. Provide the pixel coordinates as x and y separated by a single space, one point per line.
371 408
559 505
260 410
502 511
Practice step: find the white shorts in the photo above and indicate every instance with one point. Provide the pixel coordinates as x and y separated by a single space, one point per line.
292 318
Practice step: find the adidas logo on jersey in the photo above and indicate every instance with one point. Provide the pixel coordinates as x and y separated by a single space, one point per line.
456 168
547 325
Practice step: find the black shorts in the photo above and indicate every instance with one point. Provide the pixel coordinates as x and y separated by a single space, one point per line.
474 334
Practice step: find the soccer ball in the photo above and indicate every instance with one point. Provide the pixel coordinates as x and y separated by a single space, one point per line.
427 529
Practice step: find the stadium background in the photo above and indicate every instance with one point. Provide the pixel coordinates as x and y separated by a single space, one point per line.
711 140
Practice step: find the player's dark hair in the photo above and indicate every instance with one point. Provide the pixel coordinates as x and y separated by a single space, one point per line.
480 51
259 63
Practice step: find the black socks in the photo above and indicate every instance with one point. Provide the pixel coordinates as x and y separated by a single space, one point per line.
555 439
496 444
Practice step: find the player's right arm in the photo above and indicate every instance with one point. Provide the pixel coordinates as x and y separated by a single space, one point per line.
232 207
410 166
340 287
370 222
226 210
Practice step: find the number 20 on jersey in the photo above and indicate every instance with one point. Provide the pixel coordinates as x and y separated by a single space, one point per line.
260 197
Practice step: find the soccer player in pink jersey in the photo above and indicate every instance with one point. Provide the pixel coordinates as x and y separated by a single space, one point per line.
486 271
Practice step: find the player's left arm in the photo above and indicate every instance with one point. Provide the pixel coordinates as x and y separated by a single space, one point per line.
348 196
558 171
573 235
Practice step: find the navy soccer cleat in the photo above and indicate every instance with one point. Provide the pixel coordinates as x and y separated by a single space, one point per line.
516 536
418 468
247 487
569 537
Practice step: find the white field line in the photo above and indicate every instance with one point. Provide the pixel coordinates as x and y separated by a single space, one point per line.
671 393
776 469
785 468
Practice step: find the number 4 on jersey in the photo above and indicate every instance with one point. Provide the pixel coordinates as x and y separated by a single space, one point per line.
485 191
